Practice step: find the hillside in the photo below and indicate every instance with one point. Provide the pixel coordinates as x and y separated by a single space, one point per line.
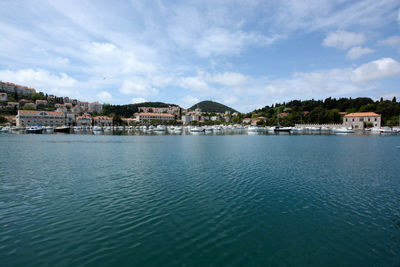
128 110
211 106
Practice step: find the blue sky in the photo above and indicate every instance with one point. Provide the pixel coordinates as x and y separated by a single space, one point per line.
245 54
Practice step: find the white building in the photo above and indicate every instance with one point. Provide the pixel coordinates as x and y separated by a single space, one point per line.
84 120
33 117
102 121
147 117
360 119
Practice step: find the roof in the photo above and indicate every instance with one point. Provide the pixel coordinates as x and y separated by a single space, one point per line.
154 114
14 103
363 114
102 118
38 111
83 118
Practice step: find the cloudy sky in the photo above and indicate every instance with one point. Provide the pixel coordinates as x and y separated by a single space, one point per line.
245 54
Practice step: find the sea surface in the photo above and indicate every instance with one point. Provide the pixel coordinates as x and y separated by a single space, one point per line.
221 200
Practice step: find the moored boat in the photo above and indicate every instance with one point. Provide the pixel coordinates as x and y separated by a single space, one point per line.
34 130
62 129
280 129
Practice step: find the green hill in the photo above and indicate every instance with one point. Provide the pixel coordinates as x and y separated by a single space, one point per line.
211 106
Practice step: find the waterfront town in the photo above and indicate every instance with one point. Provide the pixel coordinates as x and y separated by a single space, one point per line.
35 109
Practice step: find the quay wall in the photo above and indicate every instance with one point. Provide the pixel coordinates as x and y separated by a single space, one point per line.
333 126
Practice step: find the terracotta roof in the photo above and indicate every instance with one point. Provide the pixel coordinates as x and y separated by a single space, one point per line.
38 111
363 114
154 114
83 117
102 118
14 103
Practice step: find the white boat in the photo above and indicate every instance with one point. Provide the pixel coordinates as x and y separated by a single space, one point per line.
49 129
208 129
196 130
343 130
108 129
5 129
178 129
280 129
97 129
217 128
253 129
160 128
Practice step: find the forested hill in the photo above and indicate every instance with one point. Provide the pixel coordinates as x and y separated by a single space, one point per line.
211 106
128 110
327 111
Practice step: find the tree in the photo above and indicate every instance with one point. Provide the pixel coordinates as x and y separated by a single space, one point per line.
117 120
394 99
3 120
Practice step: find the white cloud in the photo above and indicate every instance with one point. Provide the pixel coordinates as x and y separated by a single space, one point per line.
376 70
220 41
227 78
138 100
193 83
230 100
344 39
391 41
358 51
137 89
189 101
104 96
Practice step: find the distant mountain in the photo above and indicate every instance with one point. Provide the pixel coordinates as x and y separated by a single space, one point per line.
211 106
130 109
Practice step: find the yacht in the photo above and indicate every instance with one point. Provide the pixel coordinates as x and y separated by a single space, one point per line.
160 128
343 130
280 129
34 130
5 129
49 129
62 129
196 130
97 129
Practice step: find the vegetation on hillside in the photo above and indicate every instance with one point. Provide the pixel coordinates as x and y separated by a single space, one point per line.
127 111
211 106
327 111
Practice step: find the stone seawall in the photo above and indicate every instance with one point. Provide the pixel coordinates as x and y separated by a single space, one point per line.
332 126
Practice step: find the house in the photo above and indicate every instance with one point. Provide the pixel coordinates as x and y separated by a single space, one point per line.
283 114
84 120
128 121
12 104
359 120
246 120
102 121
41 102
147 117
33 117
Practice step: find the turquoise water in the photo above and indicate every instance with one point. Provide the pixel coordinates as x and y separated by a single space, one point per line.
234 200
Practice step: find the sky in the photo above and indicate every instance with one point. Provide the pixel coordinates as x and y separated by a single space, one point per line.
246 54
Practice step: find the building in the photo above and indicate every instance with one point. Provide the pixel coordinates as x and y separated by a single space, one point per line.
3 97
70 118
84 120
128 121
361 119
12 104
41 102
95 106
33 117
102 121
14 88
147 117
84 106
246 120
171 110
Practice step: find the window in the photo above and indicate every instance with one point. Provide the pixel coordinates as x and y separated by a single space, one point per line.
353 119
369 119
375 119
346 120
361 119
